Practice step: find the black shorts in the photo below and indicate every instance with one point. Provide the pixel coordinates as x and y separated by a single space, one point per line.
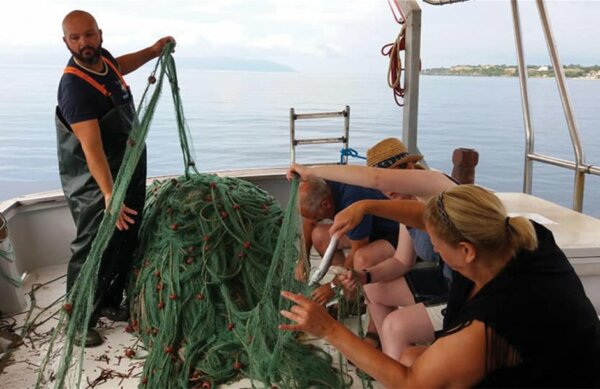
392 238
428 284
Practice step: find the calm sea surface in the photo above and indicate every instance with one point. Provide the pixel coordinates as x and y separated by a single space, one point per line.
241 119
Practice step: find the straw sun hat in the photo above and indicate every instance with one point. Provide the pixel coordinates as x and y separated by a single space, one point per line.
389 153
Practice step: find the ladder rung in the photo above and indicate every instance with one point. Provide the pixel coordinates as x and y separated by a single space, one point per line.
317 141
320 115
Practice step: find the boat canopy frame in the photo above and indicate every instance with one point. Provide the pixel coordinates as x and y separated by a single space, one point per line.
412 12
579 165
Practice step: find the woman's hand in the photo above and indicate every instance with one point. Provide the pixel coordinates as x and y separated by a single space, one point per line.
307 316
347 219
300 170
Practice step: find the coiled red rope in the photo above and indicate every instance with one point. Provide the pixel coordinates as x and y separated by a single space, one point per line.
393 50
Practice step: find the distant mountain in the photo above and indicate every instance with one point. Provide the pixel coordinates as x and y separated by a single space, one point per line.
60 58
231 63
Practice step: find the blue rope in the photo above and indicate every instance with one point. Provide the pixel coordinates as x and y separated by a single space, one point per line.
349 153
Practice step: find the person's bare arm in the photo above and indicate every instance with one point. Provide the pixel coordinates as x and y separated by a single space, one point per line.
132 61
308 225
303 263
456 360
88 134
409 355
415 182
407 212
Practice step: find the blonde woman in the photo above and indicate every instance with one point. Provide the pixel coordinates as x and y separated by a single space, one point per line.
517 314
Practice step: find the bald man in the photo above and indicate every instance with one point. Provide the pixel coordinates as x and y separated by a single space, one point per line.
93 121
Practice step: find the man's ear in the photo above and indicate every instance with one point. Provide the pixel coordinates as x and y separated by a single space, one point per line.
468 250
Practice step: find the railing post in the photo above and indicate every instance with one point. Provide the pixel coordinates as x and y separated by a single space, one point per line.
412 67
529 134
559 74
292 136
346 132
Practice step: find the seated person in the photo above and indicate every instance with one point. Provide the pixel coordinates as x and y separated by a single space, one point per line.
320 200
517 313
388 289
421 293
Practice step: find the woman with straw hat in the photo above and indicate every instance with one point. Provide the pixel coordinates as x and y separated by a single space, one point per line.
392 153
517 316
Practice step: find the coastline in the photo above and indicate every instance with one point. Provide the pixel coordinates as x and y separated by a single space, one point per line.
504 76
533 71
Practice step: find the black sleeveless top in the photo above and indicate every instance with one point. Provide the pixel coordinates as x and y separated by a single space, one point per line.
537 314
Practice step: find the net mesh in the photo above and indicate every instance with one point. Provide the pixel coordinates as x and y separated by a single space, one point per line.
214 255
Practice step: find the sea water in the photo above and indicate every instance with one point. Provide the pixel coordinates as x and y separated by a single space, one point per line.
241 120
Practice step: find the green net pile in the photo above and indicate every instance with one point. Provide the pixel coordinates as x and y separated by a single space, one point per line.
214 255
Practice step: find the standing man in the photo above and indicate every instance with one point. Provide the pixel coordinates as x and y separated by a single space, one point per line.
93 120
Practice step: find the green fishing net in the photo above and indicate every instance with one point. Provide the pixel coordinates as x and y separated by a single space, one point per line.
214 255
205 291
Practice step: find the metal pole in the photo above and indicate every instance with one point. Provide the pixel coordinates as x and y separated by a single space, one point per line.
559 74
529 135
346 132
292 136
412 67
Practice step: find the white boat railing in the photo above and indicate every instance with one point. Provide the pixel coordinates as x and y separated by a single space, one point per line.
579 165
412 18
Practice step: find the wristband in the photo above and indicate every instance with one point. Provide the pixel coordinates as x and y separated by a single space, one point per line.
368 275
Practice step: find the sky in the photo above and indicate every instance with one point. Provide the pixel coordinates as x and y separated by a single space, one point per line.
309 35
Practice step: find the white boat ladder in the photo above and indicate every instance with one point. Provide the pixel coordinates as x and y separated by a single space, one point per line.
345 114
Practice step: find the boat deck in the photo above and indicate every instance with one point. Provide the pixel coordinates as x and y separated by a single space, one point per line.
105 366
